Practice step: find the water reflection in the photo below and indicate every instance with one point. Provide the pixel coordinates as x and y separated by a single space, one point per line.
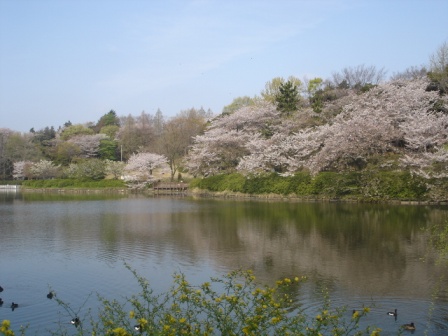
362 254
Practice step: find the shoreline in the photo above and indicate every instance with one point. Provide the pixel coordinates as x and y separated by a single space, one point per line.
200 193
294 198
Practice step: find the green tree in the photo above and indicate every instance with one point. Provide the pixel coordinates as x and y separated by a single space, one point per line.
66 152
272 88
287 99
108 149
44 138
314 85
110 130
20 147
91 169
109 119
74 130
6 164
238 103
314 90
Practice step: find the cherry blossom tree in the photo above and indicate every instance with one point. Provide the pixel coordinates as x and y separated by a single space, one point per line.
44 169
396 117
377 121
22 170
225 141
88 144
138 171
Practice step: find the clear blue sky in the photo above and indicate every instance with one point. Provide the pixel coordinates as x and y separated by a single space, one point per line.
76 60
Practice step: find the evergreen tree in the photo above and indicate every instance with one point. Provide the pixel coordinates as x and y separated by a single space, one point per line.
287 98
108 119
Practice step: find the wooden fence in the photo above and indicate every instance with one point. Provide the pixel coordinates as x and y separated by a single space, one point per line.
170 188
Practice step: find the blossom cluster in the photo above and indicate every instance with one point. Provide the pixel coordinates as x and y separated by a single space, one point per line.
397 118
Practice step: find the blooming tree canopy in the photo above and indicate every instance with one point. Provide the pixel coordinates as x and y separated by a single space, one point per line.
140 167
89 144
397 117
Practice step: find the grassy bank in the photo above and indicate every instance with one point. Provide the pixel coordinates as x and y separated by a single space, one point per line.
72 183
360 186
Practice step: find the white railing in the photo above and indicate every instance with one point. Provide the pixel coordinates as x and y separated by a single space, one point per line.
9 187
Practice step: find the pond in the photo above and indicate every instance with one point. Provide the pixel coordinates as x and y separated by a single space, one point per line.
77 245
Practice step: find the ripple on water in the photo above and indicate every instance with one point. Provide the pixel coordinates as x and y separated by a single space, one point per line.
429 317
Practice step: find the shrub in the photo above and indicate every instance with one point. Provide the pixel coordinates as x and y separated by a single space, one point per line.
368 184
231 305
334 184
393 185
300 184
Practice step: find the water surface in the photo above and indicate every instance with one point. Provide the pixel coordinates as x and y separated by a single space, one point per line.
77 245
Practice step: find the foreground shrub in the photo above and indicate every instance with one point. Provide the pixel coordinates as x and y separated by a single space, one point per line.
232 305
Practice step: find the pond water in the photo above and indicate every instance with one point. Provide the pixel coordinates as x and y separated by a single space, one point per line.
77 245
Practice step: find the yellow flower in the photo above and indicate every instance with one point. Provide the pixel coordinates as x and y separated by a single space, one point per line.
142 321
120 332
4 329
131 314
6 324
275 320
182 320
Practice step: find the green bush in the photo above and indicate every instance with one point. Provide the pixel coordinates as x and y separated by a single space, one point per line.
212 183
332 184
300 184
393 185
266 184
234 182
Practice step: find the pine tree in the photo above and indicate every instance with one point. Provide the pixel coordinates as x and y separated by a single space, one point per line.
288 98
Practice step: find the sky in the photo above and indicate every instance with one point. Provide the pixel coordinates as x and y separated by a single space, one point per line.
75 60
